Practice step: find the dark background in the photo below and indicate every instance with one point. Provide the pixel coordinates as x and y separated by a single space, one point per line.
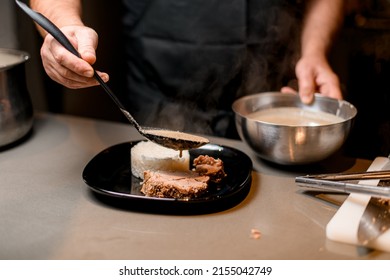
360 56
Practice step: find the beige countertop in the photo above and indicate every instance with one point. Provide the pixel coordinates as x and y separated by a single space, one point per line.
47 211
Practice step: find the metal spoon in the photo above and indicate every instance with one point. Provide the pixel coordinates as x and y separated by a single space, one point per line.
327 185
374 221
368 175
376 217
171 139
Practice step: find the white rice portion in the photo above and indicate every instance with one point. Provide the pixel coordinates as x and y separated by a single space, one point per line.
147 155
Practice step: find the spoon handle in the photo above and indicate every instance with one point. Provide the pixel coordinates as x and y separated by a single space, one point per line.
53 30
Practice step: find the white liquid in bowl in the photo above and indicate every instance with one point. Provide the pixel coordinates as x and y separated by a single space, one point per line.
293 116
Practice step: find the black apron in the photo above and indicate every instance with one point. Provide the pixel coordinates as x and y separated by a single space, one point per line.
187 61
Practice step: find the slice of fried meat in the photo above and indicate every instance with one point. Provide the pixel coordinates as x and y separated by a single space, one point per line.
209 166
174 184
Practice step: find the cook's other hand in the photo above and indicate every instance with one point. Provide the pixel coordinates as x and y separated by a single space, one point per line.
322 20
315 75
66 68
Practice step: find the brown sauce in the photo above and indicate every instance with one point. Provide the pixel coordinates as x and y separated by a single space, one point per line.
176 135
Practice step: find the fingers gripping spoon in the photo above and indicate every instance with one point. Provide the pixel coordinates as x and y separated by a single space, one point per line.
170 139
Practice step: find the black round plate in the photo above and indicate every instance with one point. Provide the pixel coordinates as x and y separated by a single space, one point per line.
108 174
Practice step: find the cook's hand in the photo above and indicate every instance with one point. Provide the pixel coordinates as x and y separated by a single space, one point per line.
66 68
315 75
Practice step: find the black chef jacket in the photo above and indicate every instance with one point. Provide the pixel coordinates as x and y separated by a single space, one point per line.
188 60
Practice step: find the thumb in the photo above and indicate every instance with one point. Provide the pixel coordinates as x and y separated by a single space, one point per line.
307 86
306 92
87 43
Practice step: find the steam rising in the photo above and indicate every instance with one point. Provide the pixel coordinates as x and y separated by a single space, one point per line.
254 50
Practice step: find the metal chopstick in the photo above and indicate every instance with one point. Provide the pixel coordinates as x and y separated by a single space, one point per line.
369 175
305 181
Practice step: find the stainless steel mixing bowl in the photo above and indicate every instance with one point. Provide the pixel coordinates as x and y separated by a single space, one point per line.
289 144
16 111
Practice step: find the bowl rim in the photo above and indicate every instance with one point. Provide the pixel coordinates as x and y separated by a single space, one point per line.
23 56
296 97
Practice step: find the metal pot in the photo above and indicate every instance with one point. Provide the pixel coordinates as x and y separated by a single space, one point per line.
16 112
